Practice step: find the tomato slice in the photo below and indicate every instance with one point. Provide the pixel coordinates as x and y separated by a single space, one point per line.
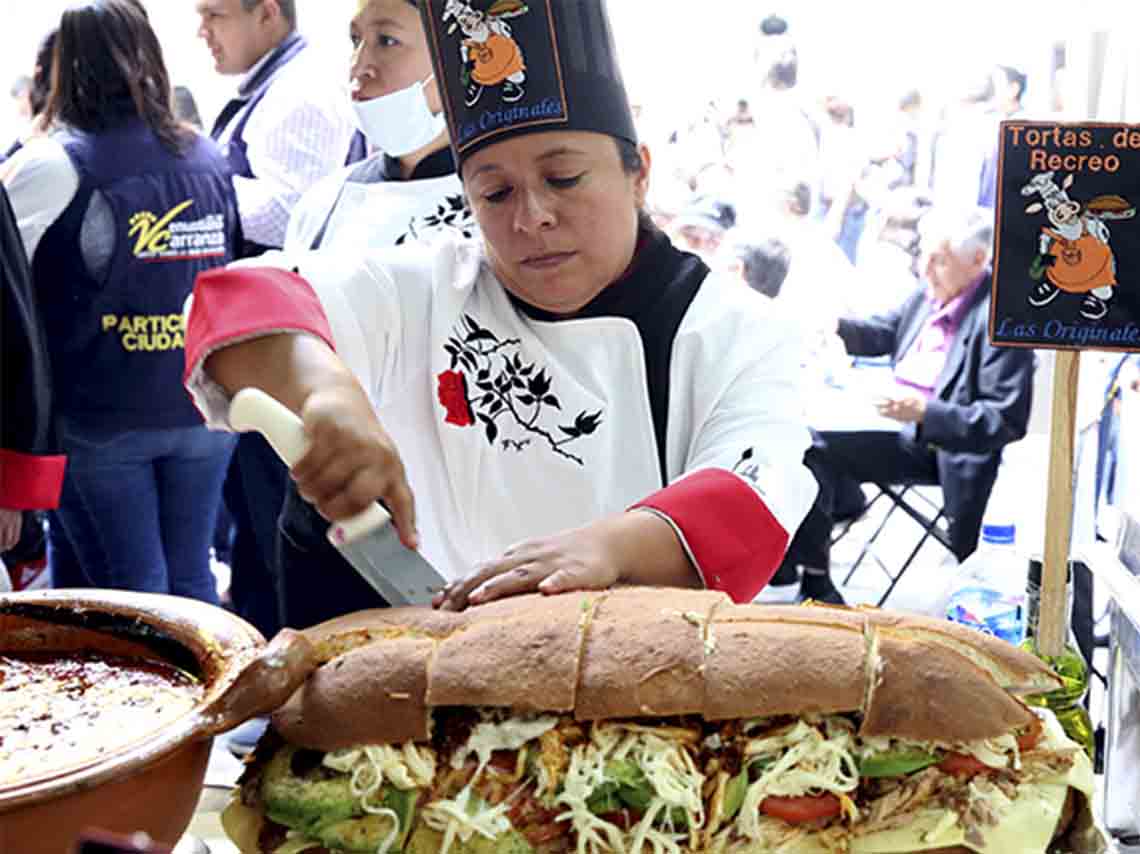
1028 739
963 765
798 810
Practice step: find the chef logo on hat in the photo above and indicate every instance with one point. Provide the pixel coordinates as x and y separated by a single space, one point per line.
499 66
490 54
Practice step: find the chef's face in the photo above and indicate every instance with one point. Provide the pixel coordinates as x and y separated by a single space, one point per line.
389 51
558 213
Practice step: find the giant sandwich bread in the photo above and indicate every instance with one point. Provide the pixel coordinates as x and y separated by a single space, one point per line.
646 720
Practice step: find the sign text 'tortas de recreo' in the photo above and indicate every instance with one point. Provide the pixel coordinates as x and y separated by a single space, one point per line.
1067 259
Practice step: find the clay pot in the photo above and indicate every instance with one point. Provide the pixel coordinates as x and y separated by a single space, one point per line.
151 785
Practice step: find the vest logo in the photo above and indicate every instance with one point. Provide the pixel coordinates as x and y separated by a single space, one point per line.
165 238
148 333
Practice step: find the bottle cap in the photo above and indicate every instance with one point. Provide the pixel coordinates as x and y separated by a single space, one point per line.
999 534
1036 566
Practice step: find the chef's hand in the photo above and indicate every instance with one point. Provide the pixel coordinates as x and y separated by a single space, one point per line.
352 461
629 548
909 410
10 523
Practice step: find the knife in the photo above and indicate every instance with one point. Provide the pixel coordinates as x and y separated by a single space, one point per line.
368 541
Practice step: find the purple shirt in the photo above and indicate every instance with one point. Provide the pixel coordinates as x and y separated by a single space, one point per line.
922 363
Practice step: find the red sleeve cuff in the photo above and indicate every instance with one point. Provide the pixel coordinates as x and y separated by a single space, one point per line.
29 482
235 304
727 529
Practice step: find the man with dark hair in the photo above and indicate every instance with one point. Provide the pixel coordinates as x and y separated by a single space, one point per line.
763 264
288 126
1009 89
787 138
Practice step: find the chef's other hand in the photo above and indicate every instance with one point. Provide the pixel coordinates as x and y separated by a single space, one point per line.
638 548
579 559
352 461
10 523
909 410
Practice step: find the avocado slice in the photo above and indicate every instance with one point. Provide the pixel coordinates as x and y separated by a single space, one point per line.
896 763
734 793
303 801
604 799
354 835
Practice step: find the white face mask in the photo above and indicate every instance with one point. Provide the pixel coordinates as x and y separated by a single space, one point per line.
401 122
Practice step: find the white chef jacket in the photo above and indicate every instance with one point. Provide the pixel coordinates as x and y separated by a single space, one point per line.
358 207
512 427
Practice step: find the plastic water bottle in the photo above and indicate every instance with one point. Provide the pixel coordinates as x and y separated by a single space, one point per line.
988 592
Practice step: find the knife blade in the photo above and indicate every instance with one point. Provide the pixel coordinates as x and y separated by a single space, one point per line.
368 541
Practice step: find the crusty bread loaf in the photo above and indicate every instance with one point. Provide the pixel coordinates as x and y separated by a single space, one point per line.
922 691
766 667
657 652
527 660
360 628
371 695
645 655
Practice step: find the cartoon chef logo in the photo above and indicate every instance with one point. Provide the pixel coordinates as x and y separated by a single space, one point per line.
490 54
1073 252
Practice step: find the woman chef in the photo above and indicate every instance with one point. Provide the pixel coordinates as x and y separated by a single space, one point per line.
574 403
407 192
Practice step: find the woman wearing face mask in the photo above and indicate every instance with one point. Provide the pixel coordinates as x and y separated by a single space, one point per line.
407 191
574 402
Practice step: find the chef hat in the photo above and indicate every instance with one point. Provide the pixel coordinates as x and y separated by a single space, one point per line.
509 67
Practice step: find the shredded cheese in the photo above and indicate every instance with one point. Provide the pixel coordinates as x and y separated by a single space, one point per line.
661 755
406 767
464 816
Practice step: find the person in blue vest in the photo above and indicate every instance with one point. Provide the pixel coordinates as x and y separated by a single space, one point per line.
288 126
133 206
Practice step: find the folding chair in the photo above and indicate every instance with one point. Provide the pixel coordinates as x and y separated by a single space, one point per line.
925 511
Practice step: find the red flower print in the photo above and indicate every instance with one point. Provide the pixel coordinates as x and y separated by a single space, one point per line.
453 396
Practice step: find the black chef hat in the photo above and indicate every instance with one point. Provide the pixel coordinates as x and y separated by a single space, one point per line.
508 67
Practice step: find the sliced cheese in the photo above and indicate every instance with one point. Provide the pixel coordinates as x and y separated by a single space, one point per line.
1025 824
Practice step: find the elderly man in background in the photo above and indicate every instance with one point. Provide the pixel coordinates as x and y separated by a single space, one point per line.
288 126
957 399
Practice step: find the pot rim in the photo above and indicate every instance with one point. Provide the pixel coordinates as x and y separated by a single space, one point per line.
222 643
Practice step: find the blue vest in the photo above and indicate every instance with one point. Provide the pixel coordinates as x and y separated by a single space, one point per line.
116 333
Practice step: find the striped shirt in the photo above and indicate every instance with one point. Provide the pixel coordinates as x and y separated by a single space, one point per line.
298 133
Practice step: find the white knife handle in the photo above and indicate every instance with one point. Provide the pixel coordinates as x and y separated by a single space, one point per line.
254 410
349 531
